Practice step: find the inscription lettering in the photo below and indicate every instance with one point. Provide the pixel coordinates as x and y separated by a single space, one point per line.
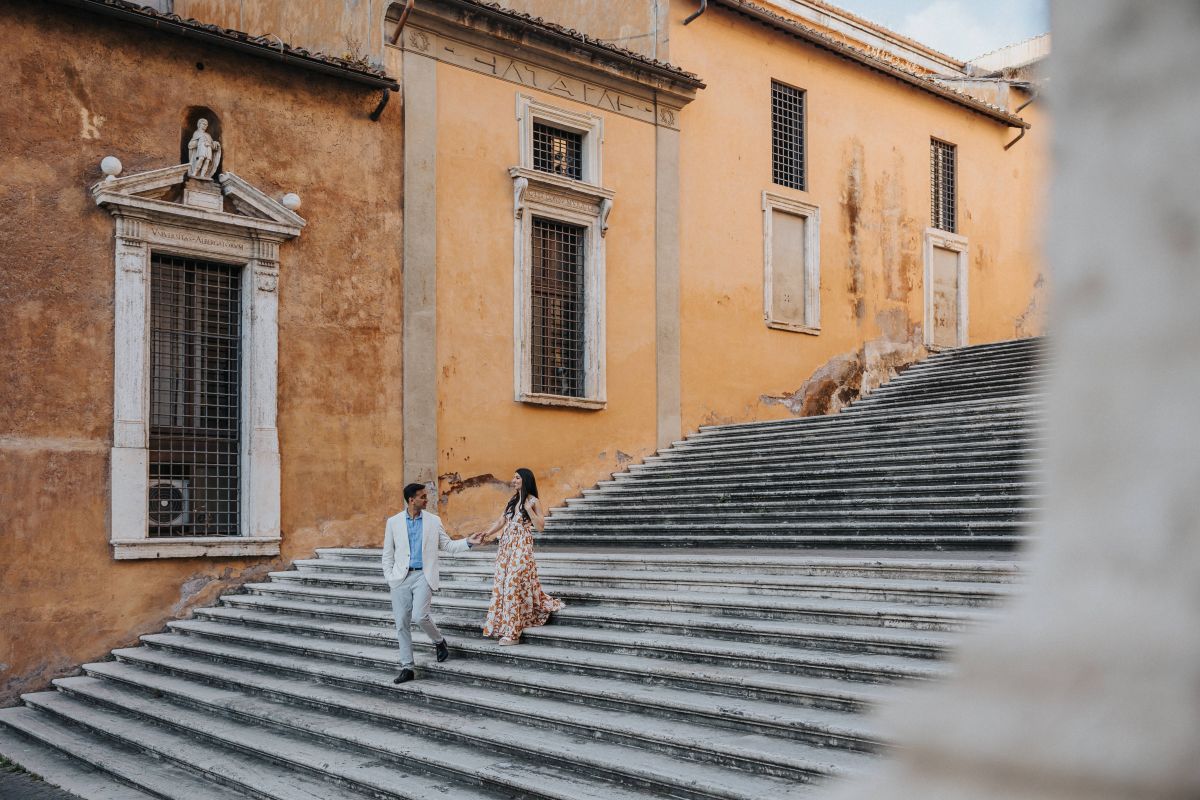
539 77
197 239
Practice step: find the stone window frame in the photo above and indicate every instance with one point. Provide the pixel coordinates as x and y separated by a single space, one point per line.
146 224
936 237
558 199
772 202
590 126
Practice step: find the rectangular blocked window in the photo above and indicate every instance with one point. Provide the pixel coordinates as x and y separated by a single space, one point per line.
557 309
787 136
942 184
557 151
195 398
791 264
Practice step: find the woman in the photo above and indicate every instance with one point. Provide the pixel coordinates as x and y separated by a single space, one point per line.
518 601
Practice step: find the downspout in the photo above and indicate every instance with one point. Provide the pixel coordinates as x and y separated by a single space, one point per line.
698 12
1033 96
408 7
383 101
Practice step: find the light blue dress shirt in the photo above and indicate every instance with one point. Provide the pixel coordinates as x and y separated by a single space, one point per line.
415 550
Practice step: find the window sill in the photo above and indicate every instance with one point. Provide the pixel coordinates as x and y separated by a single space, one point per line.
195 547
811 330
559 400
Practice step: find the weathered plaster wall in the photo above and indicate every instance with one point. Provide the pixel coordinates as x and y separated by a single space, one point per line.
637 25
868 171
78 88
348 28
482 431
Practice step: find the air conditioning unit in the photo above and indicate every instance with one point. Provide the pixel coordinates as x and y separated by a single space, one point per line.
170 504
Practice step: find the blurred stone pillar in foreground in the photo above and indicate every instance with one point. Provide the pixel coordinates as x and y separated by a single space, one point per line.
1090 688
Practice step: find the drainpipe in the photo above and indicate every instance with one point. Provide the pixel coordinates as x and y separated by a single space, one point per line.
698 12
1033 95
383 101
408 7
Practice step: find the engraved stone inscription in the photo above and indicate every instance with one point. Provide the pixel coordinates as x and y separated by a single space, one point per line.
545 79
551 199
197 239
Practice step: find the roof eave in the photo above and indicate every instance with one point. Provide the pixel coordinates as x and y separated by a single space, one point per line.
851 54
201 35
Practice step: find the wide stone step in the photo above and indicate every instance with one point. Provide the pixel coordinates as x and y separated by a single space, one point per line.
92 767
946 488
938 406
999 465
916 396
501 690
730 518
727 582
880 566
231 760
293 634
342 664
843 626
601 745
846 453
966 378
932 415
858 541
933 368
365 758
852 437
692 508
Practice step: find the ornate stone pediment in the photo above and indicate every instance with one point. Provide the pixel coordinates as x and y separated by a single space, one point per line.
169 195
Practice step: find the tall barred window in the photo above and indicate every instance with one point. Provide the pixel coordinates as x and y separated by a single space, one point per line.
557 151
787 136
942 183
195 389
557 309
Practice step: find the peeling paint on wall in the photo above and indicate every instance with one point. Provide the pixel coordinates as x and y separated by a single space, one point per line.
849 376
852 210
1032 321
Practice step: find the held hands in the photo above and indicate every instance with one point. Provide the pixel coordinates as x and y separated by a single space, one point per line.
475 539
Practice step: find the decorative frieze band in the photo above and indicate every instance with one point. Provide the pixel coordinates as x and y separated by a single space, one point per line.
537 76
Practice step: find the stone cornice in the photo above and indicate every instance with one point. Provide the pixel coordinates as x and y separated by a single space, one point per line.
508 46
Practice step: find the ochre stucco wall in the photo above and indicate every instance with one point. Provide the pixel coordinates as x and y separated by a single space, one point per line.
78 88
868 171
483 433
351 29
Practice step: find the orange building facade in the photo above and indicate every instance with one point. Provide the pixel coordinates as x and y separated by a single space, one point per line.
519 245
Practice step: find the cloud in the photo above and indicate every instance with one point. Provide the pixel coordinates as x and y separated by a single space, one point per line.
948 26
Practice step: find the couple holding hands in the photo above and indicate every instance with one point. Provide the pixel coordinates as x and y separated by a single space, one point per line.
411 544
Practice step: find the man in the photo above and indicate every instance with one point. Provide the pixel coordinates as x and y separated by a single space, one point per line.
411 542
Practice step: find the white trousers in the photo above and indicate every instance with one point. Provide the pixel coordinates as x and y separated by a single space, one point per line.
411 601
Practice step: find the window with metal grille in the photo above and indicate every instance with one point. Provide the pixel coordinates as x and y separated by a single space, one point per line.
195 385
557 151
557 323
942 179
787 136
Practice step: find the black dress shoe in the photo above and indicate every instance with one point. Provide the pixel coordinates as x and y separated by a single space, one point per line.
443 652
405 676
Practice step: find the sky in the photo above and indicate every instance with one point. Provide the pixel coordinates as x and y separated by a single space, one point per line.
960 28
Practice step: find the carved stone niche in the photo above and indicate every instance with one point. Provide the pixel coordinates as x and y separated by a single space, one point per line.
553 197
247 235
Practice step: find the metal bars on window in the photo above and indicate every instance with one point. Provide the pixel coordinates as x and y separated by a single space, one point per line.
195 388
787 136
942 179
557 151
557 319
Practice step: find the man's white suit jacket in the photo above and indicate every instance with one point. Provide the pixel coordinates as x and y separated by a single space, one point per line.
433 539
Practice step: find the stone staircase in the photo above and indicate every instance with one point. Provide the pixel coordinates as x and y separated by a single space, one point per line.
942 457
672 673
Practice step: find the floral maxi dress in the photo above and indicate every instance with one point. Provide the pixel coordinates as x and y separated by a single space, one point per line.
518 601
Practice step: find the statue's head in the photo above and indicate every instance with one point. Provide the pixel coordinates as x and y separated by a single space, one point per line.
202 123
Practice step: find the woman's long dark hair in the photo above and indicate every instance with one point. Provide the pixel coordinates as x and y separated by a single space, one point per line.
517 501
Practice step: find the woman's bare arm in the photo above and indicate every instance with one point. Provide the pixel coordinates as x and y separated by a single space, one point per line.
533 507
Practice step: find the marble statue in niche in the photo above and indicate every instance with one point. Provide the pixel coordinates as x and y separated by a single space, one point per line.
204 152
